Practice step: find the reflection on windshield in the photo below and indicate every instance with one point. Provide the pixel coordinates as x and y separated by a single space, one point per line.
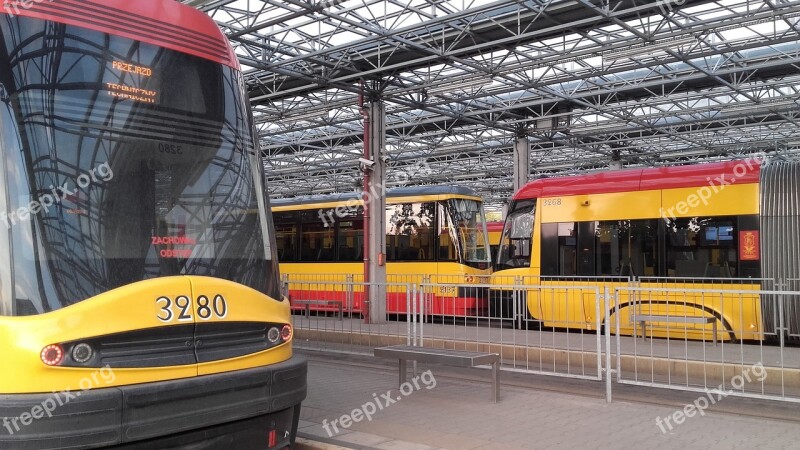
515 244
409 231
180 196
470 226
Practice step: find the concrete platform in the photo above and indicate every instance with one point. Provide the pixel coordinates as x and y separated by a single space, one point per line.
533 412
669 361
573 340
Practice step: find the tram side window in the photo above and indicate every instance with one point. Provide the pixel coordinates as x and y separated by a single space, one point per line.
409 231
702 247
316 238
567 248
612 248
350 237
626 247
559 250
286 235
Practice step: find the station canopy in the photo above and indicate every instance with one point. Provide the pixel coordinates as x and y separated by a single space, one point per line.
590 84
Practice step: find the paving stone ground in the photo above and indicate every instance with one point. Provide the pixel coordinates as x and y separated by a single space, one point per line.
458 414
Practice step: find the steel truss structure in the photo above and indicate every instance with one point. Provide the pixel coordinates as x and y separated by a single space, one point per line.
589 83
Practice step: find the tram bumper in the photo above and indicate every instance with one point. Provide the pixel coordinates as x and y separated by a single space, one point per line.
156 412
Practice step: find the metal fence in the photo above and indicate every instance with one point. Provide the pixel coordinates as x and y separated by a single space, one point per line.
707 340
330 315
732 337
564 346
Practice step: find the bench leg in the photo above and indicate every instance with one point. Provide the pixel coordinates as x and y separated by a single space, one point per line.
495 385
643 326
308 311
402 373
341 312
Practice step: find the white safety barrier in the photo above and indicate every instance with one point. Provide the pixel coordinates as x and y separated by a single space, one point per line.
697 335
568 345
333 316
725 339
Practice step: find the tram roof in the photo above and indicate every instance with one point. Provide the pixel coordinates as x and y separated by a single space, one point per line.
164 23
408 191
627 180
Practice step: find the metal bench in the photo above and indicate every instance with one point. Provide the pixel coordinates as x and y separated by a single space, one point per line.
435 355
642 320
308 303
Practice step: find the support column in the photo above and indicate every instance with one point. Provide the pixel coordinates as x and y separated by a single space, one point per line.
522 162
616 161
375 194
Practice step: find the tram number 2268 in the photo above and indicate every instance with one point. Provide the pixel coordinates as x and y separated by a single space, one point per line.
183 309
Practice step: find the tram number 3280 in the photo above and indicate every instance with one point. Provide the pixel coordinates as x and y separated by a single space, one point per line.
183 309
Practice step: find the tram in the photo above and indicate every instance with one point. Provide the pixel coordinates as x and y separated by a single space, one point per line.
676 232
139 287
434 234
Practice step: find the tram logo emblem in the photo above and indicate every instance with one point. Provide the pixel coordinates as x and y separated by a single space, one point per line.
748 245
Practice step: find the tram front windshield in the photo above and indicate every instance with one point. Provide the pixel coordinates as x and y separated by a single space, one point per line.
123 161
470 226
515 243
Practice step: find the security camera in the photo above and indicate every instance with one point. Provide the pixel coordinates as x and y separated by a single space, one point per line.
366 162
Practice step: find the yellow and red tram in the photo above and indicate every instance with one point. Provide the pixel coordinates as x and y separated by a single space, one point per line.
714 226
139 288
433 233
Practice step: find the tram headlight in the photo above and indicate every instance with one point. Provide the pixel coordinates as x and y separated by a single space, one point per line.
82 352
52 355
273 335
